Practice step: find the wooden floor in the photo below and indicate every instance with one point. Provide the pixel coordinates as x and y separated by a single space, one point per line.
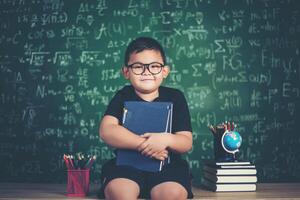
58 191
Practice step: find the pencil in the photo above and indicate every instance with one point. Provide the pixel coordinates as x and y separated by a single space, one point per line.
212 129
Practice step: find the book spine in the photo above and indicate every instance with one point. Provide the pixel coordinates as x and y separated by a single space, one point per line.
124 115
170 115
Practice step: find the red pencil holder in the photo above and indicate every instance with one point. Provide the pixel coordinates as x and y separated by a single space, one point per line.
78 183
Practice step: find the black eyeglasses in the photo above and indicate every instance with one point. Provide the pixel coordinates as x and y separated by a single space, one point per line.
139 68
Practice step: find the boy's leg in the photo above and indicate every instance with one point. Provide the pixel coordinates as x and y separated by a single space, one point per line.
169 190
115 179
122 188
174 179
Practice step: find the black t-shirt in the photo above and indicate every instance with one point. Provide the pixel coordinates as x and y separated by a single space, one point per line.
181 115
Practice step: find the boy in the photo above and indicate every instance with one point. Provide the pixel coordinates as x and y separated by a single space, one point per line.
145 68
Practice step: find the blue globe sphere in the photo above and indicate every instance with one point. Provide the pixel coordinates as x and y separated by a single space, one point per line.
231 141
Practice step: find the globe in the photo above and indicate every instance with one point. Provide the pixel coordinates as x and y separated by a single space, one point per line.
231 141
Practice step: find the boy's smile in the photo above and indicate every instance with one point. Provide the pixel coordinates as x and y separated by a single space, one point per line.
146 84
146 79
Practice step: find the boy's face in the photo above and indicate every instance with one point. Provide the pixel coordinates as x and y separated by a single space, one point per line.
146 83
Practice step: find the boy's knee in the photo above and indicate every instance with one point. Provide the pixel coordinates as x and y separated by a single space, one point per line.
120 189
169 192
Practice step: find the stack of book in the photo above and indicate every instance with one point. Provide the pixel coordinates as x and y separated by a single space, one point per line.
229 176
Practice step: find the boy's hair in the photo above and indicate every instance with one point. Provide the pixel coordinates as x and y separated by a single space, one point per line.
143 43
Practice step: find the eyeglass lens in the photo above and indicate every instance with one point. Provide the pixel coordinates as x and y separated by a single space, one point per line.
153 68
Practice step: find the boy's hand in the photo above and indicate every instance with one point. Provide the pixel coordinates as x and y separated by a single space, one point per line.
154 144
161 155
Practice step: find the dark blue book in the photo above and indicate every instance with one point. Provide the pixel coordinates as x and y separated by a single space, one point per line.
145 117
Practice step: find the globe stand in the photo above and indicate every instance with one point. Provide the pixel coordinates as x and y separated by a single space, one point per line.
232 152
222 153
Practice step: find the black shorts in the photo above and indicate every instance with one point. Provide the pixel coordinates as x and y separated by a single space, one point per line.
177 171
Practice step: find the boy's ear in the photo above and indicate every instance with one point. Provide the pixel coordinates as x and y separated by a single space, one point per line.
125 72
166 71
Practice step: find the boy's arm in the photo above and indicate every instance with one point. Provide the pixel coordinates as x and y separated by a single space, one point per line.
179 142
117 136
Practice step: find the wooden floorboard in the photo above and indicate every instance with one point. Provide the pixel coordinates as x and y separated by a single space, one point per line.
58 191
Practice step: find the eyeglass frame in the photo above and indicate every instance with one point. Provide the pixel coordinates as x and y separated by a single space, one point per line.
146 66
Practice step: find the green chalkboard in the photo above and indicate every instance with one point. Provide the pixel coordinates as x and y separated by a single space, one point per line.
60 66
